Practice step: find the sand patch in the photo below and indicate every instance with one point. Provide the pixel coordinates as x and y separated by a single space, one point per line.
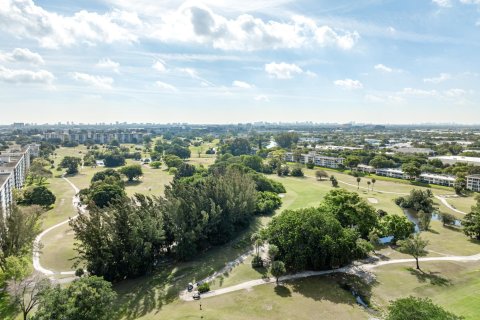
373 200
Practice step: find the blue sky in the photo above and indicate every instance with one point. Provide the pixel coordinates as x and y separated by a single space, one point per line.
228 61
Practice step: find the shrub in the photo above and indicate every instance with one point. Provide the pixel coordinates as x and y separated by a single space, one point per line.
204 287
257 262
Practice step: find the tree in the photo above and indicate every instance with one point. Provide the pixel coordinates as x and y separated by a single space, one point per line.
88 298
447 219
277 269
286 139
411 169
18 231
373 183
413 308
352 161
123 240
358 182
297 172
237 147
102 194
132 172
103 175
114 160
471 223
272 252
417 200
71 164
178 150
39 196
397 226
334 181
267 203
414 246
172 161
156 164
320 174
374 239
185 170
424 219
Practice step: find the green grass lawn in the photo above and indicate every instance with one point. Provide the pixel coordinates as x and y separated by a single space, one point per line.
58 249
63 208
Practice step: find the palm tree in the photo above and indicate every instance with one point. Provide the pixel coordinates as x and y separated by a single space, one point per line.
369 183
373 183
358 183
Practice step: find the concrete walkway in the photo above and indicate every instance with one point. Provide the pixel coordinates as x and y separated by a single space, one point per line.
448 205
36 254
187 296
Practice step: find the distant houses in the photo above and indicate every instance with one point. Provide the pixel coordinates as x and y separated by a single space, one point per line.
473 182
317 159
457 159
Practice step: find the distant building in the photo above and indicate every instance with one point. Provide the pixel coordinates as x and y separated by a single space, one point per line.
317 159
473 182
442 180
410 150
392 173
457 159
365 168
100 137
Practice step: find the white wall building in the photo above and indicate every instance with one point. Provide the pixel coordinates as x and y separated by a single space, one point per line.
392 173
317 159
365 169
457 159
442 180
473 182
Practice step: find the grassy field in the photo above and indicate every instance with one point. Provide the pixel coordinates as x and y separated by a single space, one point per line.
156 296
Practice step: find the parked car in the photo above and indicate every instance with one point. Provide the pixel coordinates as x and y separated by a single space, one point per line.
190 287
196 295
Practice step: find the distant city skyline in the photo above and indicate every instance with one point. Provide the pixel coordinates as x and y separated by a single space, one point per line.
226 61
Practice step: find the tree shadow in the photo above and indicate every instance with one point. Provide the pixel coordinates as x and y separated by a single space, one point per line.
283 291
452 228
433 277
133 183
433 231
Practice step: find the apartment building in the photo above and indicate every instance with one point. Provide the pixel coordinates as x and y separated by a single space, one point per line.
14 165
458 159
473 182
95 136
365 168
439 179
392 173
317 159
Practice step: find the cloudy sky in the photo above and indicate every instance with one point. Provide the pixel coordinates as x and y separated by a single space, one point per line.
229 61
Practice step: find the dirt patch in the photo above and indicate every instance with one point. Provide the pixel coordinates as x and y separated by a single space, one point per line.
373 200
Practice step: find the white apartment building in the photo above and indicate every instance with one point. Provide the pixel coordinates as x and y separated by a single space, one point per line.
317 159
365 169
14 165
473 182
457 159
392 173
442 180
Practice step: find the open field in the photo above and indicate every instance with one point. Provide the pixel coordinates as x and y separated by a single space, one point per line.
58 249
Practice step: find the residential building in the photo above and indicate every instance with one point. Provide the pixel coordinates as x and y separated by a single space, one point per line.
317 159
365 168
473 182
458 159
14 165
442 180
411 150
392 173
101 137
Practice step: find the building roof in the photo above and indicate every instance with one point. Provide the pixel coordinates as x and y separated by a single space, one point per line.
3 178
438 176
459 159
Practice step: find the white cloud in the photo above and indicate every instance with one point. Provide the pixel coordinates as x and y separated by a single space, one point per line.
455 93
242 84
165 86
441 78
418 92
196 23
262 98
23 18
470 1
25 76
386 69
22 55
190 72
443 3
108 64
374 98
92 80
159 66
282 70
349 84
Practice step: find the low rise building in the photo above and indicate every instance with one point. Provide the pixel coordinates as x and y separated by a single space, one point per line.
392 173
439 179
317 159
473 182
365 168
457 159
411 150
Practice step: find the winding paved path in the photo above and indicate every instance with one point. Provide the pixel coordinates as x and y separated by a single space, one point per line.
448 205
187 296
36 254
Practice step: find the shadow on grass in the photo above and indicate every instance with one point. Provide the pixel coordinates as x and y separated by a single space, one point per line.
283 291
132 183
453 228
433 277
144 295
433 231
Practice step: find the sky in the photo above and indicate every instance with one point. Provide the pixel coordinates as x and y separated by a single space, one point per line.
230 61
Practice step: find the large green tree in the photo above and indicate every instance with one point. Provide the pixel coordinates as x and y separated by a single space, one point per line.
471 222
414 246
413 308
71 164
132 172
89 298
39 195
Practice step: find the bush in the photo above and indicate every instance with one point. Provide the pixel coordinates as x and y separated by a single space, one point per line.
310 165
204 287
257 262
297 172
447 219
